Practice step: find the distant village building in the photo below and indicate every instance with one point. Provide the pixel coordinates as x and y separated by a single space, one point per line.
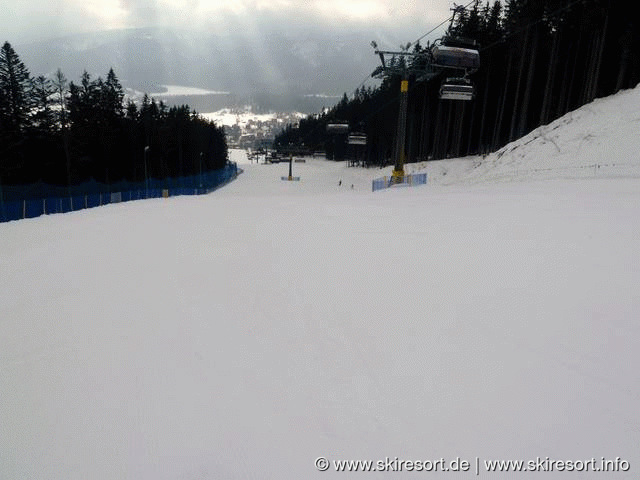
255 132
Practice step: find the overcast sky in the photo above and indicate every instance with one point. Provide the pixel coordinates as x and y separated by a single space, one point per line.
26 20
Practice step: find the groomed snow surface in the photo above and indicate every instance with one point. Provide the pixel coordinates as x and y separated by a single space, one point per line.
492 314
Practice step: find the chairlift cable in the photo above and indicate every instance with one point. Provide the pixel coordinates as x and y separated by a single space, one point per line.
362 83
412 87
437 27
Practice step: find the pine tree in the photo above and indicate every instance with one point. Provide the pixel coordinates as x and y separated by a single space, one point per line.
43 115
112 95
15 91
60 87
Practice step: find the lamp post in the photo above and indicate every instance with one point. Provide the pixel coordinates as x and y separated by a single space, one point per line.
146 177
201 155
290 161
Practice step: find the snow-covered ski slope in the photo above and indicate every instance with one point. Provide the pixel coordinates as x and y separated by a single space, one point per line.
492 314
599 140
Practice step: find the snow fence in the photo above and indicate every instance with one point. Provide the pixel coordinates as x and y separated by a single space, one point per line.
405 181
28 201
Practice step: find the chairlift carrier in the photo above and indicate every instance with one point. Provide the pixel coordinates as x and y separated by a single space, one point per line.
456 57
456 92
339 128
357 139
457 89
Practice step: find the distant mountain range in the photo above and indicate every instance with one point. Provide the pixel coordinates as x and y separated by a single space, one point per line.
300 71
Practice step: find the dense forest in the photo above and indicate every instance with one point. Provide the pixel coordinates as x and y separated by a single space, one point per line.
539 59
65 133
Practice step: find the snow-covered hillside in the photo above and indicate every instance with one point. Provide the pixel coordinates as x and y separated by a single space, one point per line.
246 333
599 140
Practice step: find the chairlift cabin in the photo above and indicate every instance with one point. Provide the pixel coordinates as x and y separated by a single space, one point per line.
456 41
457 89
338 128
357 139
456 57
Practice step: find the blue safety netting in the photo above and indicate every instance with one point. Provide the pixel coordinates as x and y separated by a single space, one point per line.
28 201
406 180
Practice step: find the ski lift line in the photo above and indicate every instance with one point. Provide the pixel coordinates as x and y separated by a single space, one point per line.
416 41
411 87
391 101
487 47
356 89
368 76
451 93
524 28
